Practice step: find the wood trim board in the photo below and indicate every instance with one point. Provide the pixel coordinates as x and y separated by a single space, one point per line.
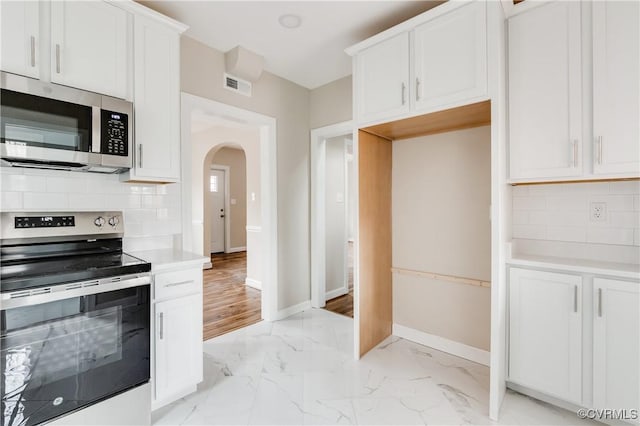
463 117
375 282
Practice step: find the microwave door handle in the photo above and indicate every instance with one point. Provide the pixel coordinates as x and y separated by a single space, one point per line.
96 135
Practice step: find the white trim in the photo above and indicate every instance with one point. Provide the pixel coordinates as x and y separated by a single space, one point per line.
268 190
440 343
251 228
139 9
207 265
318 202
292 310
227 205
253 283
340 291
236 249
405 26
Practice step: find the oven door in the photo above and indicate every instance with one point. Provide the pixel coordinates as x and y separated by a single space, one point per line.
62 355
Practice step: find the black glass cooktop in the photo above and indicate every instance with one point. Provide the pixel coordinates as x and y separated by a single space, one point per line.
47 265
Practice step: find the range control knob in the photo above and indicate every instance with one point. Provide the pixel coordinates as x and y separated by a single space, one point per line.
99 222
114 221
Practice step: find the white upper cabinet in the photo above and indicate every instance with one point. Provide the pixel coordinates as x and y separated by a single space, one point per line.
156 102
435 61
20 33
89 48
450 58
545 332
545 97
383 79
616 87
616 344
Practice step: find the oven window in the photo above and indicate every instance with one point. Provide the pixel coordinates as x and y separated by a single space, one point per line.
63 355
29 120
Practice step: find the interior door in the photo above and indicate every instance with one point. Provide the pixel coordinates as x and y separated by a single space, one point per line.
217 193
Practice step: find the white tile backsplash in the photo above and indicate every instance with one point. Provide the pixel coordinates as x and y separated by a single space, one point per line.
152 213
561 212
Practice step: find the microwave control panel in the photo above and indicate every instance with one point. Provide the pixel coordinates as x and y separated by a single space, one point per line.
115 131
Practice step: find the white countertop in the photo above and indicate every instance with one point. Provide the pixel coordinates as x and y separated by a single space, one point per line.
163 259
622 270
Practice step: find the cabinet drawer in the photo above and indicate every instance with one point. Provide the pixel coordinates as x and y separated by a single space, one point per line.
177 283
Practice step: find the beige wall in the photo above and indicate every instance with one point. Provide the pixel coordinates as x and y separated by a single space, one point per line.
235 160
331 103
202 71
205 145
441 199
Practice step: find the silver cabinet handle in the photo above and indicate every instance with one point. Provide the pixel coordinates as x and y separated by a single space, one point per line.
161 325
575 153
404 89
417 89
178 284
58 58
599 150
140 155
599 302
575 298
33 51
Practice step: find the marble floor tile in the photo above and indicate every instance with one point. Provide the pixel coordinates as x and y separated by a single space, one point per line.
301 371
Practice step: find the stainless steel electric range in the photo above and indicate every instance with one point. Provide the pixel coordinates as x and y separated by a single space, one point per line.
74 314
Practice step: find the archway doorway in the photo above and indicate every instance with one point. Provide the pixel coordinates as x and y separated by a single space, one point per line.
222 128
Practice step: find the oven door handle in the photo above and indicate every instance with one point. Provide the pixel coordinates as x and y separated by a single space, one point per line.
71 290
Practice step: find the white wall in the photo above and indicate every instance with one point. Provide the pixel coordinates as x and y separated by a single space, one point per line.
151 212
202 71
335 215
440 214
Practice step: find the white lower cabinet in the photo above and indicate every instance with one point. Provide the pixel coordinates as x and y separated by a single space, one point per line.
547 353
177 342
616 344
545 332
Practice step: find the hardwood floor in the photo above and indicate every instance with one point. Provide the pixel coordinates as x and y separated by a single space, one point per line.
229 304
342 305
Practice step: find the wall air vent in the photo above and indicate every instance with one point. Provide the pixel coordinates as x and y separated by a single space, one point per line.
237 85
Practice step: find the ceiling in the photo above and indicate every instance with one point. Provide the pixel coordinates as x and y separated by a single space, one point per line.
311 55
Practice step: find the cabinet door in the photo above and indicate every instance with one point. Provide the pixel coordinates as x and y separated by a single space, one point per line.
545 332
545 101
383 79
450 58
19 30
157 101
178 345
616 347
89 46
616 87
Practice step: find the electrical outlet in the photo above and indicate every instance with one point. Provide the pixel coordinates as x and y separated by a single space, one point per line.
598 212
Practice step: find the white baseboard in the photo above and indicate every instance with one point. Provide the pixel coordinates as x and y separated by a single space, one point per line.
253 283
292 310
445 345
236 249
336 293
207 265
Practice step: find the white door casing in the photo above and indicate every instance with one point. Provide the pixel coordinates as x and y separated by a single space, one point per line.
318 207
193 218
217 193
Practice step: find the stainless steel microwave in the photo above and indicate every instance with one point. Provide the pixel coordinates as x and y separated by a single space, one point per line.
45 125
